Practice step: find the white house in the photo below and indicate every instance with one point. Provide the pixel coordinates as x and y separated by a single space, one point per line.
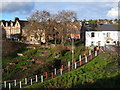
106 35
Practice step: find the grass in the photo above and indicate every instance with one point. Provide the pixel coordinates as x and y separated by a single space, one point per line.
30 54
101 72
22 61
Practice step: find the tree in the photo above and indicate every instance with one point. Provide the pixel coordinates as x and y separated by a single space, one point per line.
59 24
65 18
93 21
38 24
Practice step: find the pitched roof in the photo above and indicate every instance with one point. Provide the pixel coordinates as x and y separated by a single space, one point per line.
101 27
108 27
22 22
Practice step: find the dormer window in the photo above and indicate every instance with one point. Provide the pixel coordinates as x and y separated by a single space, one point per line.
92 34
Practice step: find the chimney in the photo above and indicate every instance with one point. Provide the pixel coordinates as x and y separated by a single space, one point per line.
16 19
11 23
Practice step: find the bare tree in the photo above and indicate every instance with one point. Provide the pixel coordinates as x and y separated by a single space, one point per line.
43 22
64 18
38 24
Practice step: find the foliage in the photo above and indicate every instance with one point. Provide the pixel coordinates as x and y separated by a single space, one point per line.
100 72
47 56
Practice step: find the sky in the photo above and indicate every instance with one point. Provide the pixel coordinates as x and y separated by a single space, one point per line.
85 10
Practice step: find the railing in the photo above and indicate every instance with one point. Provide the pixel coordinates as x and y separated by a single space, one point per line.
54 73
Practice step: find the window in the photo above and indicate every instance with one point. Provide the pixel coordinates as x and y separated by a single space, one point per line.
108 34
92 34
114 42
98 43
107 41
17 24
17 31
92 43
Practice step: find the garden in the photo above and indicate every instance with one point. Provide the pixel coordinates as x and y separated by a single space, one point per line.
101 72
38 60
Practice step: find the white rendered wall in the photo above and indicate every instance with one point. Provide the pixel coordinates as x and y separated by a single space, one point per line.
101 36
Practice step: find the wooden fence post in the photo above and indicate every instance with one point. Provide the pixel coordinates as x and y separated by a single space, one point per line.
9 85
41 78
14 82
61 71
90 56
52 74
68 66
5 84
75 63
89 52
80 59
26 81
55 71
95 53
85 58
62 67
99 49
20 84
46 73
36 78
31 81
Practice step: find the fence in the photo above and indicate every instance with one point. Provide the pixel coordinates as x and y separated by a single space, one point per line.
54 73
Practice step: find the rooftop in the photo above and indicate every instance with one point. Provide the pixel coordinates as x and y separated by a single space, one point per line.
101 27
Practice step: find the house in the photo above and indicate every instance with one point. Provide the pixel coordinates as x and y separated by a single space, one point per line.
2 33
75 32
75 35
107 21
86 27
31 38
14 28
101 35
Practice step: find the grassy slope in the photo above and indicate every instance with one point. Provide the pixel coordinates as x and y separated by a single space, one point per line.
100 72
22 61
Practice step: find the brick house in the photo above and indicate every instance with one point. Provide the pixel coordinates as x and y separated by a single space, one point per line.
76 33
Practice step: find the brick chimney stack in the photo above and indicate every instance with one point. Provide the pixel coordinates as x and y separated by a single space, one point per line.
16 19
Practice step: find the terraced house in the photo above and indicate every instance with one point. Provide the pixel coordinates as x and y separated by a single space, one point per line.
105 34
14 28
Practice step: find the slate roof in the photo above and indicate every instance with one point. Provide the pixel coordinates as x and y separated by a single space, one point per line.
109 27
101 27
22 22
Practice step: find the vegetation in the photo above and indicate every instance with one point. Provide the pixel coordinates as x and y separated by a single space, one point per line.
9 48
101 72
93 21
56 27
49 59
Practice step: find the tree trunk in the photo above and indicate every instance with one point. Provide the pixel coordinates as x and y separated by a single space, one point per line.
46 40
55 39
62 41
40 40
